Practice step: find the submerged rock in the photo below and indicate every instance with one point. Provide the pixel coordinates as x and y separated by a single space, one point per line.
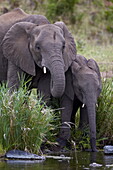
22 162
109 165
108 149
95 165
18 154
61 157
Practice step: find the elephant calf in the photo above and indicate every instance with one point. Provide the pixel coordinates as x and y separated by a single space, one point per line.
86 81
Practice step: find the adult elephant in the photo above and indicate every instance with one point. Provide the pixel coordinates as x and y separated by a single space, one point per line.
86 83
28 47
6 22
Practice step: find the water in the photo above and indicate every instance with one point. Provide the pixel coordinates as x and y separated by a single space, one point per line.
79 161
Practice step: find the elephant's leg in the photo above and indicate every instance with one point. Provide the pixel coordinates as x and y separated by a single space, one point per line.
83 118
3 68
44 88
14 76
67 106
45 98
92 125
76 105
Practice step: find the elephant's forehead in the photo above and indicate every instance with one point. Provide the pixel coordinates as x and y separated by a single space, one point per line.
87 81
50 29
87 72
51 32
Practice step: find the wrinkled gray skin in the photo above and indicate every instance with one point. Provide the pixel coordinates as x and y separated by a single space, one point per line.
29 43
86 82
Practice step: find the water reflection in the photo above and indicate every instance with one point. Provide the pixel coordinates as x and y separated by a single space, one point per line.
81 160
108 159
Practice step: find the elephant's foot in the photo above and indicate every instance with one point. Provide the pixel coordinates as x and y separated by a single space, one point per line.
94 150
62 142
93 145
51 148
91 150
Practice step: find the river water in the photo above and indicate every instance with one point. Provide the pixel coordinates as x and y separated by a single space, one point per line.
79 161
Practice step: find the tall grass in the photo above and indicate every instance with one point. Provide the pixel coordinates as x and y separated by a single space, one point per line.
105 113
90 49
24 120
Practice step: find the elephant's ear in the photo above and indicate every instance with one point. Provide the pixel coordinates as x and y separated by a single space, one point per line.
75 67
15 46
81 60
70 47
94 66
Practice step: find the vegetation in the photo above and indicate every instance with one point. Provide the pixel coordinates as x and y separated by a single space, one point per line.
90 22
105 114
25 122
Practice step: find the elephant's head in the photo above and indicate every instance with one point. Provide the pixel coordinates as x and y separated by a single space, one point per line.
48 46
86 80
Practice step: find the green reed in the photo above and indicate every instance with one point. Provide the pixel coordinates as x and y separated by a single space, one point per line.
24 120
105 113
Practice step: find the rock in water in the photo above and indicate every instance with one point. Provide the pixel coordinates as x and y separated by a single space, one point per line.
108 149
18 154
95 165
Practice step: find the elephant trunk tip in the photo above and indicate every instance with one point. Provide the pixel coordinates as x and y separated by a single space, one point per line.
57 91
57 94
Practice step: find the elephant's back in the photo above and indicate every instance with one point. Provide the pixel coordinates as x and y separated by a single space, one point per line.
8 19
12 16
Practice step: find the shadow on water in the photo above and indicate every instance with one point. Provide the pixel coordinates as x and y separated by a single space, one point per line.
79 161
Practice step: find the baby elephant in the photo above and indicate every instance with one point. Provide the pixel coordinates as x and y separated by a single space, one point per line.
87 87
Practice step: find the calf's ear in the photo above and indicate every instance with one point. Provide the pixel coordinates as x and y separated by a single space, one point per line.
92 64
75 67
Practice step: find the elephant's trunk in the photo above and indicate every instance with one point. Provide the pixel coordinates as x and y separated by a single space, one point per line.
57 78
92 124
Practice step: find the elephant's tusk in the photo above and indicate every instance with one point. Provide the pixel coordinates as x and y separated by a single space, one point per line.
97 105
67 123
83 105
44 70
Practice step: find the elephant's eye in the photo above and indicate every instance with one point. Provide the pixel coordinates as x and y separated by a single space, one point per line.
63 46
37 47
